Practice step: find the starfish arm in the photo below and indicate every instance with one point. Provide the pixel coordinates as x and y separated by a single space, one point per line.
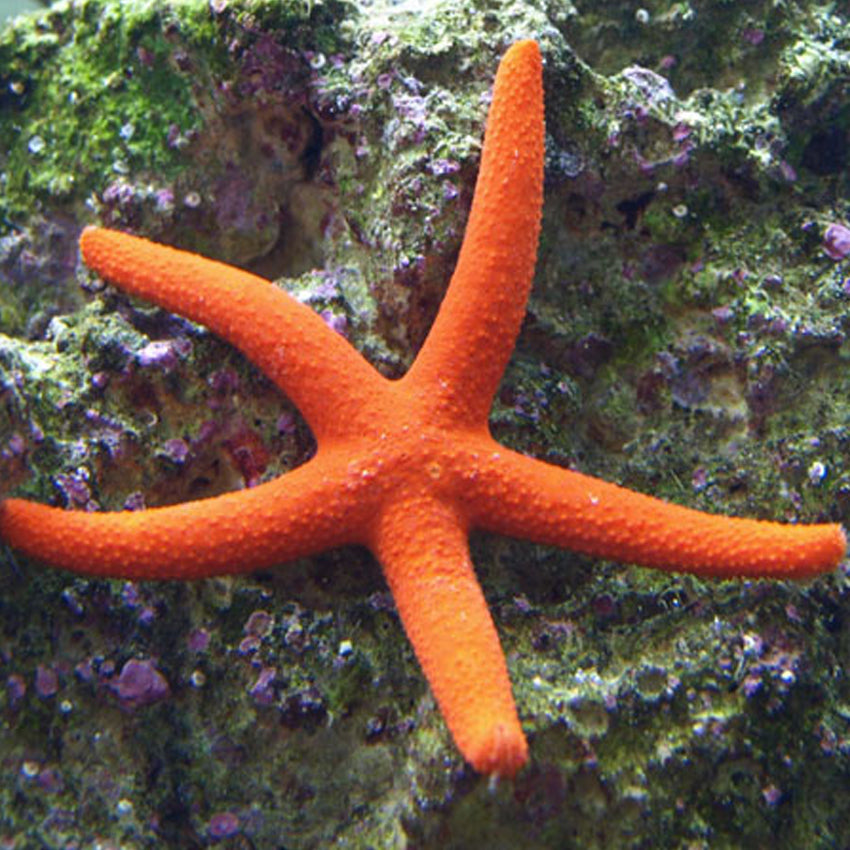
463 358
290 517
324 376
522 497
424 552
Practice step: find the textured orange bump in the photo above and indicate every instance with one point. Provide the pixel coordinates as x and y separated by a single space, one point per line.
407 467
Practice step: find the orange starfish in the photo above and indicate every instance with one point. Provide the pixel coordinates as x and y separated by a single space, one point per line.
406 467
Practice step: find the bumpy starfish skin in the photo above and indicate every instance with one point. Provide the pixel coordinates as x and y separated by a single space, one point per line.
406 467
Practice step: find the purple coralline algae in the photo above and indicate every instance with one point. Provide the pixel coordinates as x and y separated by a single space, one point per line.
46 681
16 688
223 825
162 354
263 688
139 684
836 241
259 624
198 640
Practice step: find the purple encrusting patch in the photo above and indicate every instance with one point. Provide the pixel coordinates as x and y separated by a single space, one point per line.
46 681
16 688
198 640
262 690
140 684
836 241
223 825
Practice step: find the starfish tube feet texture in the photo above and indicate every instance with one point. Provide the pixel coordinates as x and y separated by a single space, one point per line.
406 467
